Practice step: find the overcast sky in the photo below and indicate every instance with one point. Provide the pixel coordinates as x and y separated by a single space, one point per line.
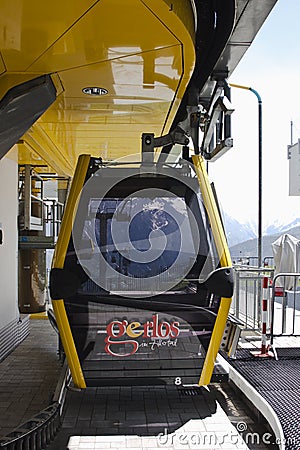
272 67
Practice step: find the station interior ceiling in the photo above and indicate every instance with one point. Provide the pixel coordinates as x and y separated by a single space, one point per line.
119 69
138 85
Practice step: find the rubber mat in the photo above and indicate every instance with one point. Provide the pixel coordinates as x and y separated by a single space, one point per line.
288 352
279 383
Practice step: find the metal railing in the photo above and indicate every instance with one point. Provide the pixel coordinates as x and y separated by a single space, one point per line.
285 306
36 433
53 217
247 299
245 260
252 261
283 295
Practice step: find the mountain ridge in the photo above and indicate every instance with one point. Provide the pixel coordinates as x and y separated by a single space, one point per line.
249 247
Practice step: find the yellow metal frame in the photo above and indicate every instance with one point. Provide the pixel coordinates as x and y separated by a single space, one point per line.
58 263
60 255
225 261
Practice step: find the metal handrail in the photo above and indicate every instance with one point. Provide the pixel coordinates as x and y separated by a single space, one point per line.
295 276
53 216
246 305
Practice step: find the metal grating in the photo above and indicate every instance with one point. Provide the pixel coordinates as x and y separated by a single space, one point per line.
278 382
289 419
266 375
190 392
289 352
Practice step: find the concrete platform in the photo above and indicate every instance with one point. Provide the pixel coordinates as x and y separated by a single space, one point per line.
122 417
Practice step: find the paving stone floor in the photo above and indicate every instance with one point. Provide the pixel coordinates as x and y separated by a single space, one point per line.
126 418
28 376
158 417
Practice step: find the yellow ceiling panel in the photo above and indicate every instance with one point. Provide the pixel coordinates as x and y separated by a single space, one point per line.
129 102
141 52
30 27
124 80
42 146
26 155
120 32
93 129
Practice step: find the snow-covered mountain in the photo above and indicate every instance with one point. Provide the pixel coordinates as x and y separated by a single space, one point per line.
242 237
238 232
281 227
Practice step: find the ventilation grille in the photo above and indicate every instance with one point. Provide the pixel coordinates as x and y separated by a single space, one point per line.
13 334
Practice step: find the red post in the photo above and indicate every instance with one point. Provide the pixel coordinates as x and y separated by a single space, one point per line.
264 352
264 316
